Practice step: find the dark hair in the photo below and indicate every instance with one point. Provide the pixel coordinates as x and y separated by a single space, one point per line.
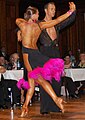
29 12
46 5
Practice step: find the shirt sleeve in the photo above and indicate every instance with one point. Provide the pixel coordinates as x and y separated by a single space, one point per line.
67 22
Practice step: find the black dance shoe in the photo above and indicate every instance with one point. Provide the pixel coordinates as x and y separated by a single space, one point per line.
44 113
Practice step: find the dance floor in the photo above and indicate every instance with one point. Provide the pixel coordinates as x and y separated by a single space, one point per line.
74 110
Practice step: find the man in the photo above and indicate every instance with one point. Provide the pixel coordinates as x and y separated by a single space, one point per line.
81 64
48 46
30 31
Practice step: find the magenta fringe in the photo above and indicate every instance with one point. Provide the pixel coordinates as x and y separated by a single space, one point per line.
53 68
23 84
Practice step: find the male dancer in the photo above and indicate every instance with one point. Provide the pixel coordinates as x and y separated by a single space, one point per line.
48 46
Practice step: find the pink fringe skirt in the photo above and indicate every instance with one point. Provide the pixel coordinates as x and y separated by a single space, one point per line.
53 68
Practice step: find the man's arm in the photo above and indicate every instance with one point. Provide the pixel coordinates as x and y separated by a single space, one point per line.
67 22
19 37
61 18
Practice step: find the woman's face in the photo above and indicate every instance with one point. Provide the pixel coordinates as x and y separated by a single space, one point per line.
35 16
67 59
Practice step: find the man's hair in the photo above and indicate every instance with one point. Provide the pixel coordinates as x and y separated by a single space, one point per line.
29 12
46 5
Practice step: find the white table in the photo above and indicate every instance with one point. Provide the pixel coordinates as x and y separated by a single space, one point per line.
77 74
13 74
0 76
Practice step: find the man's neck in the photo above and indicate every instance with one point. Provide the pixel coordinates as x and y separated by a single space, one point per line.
47 18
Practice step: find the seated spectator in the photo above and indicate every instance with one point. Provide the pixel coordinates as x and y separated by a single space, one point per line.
81 64
3 62
15 62
82 60
68 81
4 53
8 83
67 62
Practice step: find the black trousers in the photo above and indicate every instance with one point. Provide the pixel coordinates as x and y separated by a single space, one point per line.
2 102
69 84
15 91
47 104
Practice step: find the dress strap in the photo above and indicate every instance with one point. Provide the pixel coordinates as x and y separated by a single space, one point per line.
39 26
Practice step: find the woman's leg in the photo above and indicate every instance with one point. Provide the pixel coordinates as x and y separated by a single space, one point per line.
28 97
47 87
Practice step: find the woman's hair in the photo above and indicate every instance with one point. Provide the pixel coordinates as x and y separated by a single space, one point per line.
29 12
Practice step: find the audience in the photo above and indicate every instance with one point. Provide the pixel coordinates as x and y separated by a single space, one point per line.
8 83
70 85
81 64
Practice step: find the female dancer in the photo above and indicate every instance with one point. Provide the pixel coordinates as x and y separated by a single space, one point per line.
30 31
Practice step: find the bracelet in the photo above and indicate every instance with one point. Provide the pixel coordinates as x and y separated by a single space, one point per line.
69 12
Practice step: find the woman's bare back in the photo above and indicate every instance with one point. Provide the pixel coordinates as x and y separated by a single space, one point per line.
30 33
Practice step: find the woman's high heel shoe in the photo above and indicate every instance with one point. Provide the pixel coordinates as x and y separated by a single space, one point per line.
60 102
24 111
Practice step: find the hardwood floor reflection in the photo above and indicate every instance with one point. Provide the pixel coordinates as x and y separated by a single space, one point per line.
74 110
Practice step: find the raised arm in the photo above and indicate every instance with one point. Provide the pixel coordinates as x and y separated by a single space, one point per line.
67 21
61 18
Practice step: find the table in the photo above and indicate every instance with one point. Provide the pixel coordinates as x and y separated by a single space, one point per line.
0 76
13 74
77 74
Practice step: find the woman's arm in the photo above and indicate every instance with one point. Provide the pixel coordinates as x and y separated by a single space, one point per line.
19 21
61 18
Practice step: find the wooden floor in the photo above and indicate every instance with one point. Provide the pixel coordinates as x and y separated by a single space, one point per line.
74 110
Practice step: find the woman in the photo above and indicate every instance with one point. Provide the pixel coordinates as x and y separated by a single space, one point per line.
30 31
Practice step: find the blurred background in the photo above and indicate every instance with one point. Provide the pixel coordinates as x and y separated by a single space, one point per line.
72 38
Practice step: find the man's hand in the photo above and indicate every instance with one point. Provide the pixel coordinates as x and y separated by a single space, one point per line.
72 6
2 69
19 35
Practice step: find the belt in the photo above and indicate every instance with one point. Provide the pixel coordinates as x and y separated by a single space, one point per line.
50 45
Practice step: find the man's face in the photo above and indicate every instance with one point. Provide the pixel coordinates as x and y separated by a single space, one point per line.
82 56
51 10
2 60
